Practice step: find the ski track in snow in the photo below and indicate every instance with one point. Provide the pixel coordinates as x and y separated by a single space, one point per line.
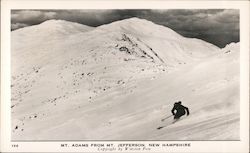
115 82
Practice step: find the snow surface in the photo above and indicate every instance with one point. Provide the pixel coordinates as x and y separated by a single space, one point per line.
117 81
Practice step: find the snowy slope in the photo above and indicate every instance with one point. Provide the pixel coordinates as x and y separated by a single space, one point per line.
39 40
169 45
117 81
44 34
50 28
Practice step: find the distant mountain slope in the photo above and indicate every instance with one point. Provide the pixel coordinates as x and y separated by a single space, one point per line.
45 33
160 37
53 27
232 47
150 40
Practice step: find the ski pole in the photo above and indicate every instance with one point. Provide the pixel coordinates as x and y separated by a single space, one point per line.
166 117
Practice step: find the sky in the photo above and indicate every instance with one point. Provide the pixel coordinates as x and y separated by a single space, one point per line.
217 26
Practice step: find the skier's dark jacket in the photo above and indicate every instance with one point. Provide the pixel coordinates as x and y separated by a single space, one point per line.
180 110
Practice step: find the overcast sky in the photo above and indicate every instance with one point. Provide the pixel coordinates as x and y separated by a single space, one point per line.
219 27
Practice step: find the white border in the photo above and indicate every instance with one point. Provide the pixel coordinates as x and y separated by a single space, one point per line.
196 146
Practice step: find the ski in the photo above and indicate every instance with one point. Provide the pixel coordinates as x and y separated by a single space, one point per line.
160 127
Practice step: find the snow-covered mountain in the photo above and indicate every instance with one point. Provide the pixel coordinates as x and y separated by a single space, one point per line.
71 81
51 28
160 37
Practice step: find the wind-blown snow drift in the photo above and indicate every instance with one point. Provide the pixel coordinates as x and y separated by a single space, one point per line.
117 81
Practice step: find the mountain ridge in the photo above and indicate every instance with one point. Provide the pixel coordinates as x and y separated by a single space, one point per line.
166 46
54 22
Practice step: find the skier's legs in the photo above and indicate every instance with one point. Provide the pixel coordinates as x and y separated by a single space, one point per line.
177 116
175 120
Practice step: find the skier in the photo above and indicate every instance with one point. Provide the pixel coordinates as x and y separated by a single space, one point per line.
180 110
177 111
